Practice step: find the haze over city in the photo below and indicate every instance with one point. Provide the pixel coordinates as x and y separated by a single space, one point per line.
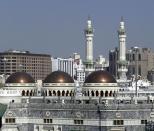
57 27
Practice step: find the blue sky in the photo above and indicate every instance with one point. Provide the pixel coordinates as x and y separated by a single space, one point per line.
56 26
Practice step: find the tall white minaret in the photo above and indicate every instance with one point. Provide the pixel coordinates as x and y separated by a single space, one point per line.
122 63
89 40
89 34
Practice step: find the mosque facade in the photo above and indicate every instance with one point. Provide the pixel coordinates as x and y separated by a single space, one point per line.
54 105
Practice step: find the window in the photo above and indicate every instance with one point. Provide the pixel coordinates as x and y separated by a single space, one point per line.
133 57
13 60
47 120
110 57
139 57
118 122
10 120
79 122
133 70
143 121
139 70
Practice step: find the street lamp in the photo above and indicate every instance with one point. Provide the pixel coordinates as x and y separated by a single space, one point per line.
136 69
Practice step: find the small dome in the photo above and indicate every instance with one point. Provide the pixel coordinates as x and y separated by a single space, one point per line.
58 77
20 77
100 77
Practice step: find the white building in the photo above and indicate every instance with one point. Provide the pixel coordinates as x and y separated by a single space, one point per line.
80 71
63 64
101 63
76 56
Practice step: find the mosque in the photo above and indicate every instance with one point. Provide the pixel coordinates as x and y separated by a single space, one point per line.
58 103
54 105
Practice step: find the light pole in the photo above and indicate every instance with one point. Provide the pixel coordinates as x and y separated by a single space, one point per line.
136 70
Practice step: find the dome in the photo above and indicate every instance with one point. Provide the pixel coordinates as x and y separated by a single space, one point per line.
100 77
58 77
20 77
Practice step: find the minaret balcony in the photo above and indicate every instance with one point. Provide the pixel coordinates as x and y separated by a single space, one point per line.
122 62
89 31
122 70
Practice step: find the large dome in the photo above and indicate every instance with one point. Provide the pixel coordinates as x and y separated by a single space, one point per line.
100 77
20 77
58 77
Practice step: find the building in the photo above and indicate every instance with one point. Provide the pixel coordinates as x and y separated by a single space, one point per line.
80 71
113 62
76 56
54 106
37 65
72 66
101 63
141 60
64 64
150 76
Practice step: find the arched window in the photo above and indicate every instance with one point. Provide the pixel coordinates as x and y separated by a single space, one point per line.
110 94
71 93
88 93
27 93
92 93
102 93
114 94
23 93
50 94
58 93
63 93
67 93
106 93
54 93
31 93
97 93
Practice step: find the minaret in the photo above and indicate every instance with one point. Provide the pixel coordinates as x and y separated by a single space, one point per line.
89 34
122 63
89 40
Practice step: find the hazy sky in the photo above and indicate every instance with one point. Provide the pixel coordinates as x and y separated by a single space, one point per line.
56 26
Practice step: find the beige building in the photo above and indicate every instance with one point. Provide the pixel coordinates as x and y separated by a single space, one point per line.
141 59
37 65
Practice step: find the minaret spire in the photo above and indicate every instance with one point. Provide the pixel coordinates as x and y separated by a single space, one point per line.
122 18
89 17
89 34
122 64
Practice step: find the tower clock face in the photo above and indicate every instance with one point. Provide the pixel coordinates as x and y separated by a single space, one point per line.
47 113
10 113
78 114
118 115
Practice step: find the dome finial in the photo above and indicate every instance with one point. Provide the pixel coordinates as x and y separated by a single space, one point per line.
89 17
122 18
